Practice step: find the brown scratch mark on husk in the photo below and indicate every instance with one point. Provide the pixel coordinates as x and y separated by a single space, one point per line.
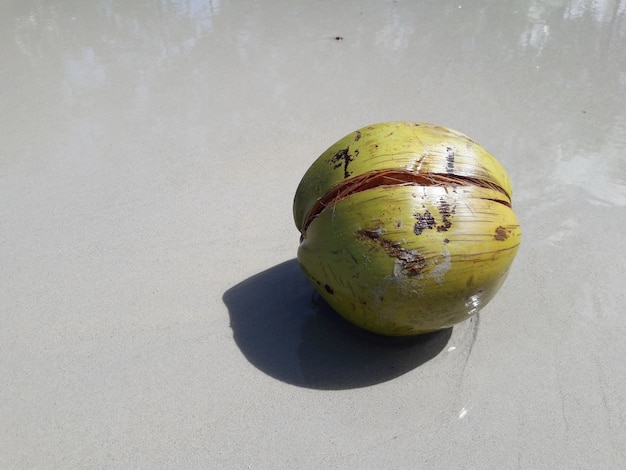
412 262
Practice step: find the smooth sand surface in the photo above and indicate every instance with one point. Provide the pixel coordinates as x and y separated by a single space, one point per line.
152 314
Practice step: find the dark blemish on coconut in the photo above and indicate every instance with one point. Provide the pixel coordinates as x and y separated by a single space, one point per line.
501 234
342 159
423 222
446 212
449 160
329 289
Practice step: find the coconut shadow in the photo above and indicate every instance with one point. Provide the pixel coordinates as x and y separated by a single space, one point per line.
289 332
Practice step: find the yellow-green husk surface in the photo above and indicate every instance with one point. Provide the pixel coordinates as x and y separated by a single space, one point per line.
422 245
